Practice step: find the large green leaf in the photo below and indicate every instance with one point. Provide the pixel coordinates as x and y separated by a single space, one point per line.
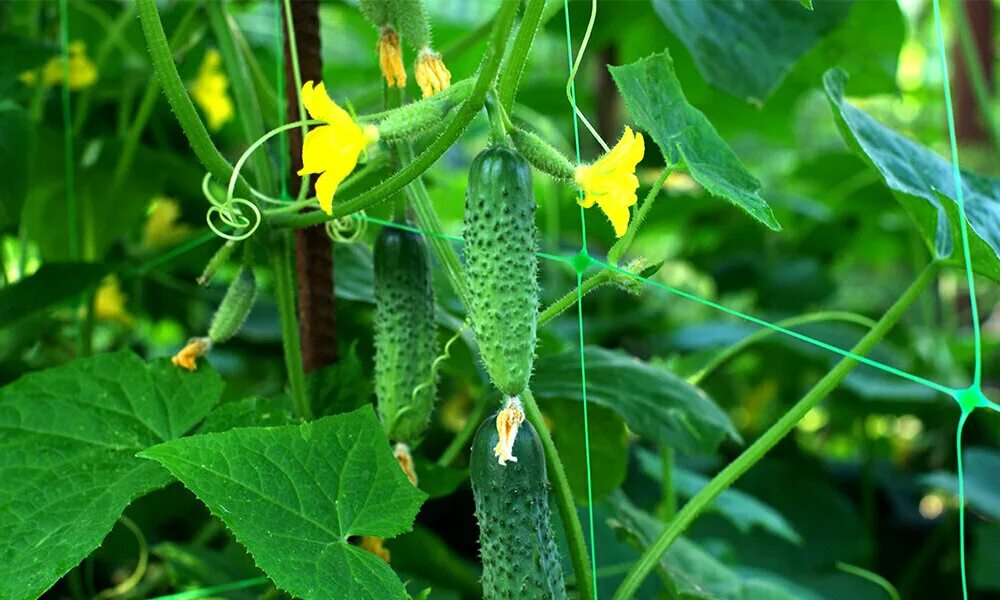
608 446
16 139
654 96
923 183
746 47
739 508
982 472
294 495
655 403
49 285
68 439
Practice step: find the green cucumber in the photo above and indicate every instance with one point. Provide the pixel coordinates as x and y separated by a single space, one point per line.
517 544
500 265
235 306
405 334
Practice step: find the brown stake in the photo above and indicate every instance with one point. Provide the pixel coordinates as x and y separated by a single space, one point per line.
970 125
313 248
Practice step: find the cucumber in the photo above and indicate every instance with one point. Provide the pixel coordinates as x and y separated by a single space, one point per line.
235 306
517 545
405 334
500 265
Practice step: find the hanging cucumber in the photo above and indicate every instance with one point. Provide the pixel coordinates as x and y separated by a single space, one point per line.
517 545
501 266
235 306
405 333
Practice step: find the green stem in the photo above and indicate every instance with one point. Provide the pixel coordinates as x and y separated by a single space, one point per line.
760 334
510 75
247 105
112 35
621 246
593 282
498 130
293 51
461 440
502 25
974 67
563 496
177 96
284 291
650 558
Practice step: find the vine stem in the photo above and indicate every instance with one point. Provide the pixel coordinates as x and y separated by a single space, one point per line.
563 496
725 478
510 75
284 291
502 25
177 96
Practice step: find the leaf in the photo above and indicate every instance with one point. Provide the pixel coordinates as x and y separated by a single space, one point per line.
293 496
340 387
608 446
423 553
51 284
438 481
694 572
655 403
68 439
982 471
739 508
16 140
746 48
248 412
806 3
923 183
656 101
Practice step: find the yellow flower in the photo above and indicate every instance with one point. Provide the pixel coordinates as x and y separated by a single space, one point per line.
161 228
209 91
189 354
611 180
82 72
390 58
402 453
374 545
432 75
508 422
109 303
332 149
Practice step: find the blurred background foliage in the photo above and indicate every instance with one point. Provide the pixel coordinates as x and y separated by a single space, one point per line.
867 479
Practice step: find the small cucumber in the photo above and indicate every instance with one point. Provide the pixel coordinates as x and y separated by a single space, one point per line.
500 265
235 306
517 545
405 333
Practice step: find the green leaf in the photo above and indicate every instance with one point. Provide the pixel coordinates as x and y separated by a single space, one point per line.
608 446
340 387
424 554
49 285
982 471
68 439
746 48
655 403
16 140
294 495
695 572
438 481
739 508
248 412
922 181
656 101
806 3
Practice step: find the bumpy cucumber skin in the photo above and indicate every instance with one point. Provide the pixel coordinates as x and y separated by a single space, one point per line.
517 545
405 333
235 306
500 265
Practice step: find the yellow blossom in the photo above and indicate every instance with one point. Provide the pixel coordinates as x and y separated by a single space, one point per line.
374 545
82 72
189 354
402 453
209 91
432 75
611 180
332 149
161 228
390 58
109 303
508 422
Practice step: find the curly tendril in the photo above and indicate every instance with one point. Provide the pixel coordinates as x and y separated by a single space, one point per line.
231 213
349 229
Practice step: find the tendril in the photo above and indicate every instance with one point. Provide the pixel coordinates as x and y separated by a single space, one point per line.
230 214
445 355
348 229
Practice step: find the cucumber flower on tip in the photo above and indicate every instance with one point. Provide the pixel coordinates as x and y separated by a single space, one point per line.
390 58
432 75
508 422
332 149
611 182
187 357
